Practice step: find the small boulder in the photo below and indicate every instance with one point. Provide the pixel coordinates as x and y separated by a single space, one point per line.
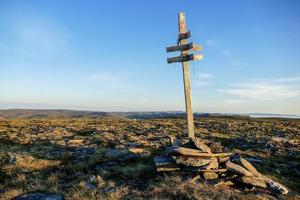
40 196
210 175
216 147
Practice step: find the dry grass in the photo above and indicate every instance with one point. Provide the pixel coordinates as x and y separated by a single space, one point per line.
46 162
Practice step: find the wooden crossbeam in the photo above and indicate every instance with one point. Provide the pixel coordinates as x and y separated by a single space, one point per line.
183 36
184 58
184 47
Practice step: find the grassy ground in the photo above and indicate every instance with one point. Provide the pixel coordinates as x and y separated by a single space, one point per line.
67 156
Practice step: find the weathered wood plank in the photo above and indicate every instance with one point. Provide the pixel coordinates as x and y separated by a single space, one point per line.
186 79
183 36
184 47
184 58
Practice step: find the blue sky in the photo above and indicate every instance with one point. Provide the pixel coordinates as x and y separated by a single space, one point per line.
110 55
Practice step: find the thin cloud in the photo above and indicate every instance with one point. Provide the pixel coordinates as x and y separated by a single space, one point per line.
288 79
201 83
239 63
205 76
203 79
262 90
234 101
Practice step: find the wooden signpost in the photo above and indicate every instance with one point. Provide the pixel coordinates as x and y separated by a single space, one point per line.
185 47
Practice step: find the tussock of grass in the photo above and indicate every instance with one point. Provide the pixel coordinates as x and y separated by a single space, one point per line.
174 187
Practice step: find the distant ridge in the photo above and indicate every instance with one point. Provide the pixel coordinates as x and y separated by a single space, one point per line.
61 113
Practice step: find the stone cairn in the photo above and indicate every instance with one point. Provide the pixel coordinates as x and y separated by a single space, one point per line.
213 164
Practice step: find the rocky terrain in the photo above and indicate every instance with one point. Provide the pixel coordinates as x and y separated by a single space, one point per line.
113 158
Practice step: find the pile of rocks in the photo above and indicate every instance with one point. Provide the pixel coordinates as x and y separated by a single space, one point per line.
213 164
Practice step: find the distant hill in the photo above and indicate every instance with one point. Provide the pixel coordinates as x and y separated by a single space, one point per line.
32 114
46 114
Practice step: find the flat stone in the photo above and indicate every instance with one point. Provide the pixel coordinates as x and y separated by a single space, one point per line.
40 196
210 175
258 182
234 168
191 161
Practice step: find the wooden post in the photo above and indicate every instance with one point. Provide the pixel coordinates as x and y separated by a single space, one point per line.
184 47
186 78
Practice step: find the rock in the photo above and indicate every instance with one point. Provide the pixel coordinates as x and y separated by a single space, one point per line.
127 157
167 168
83 152
8 159
254 181
224 183
213 170
76 142
279 139
210 175
234 168
254 160
114 153
165 164
200 145
214 164
106 165
194 152
276 187
175 142
223 159
163 160
90 186
191 161
216 147
136 150
249 166
109 190
40 196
